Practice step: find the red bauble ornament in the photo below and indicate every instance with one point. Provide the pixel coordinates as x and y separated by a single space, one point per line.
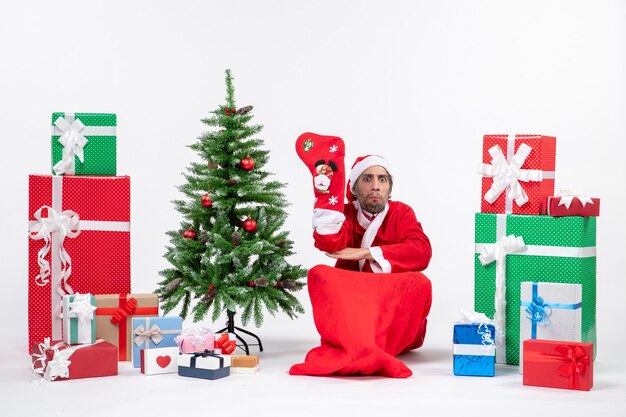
250 283
249 225
247 164
278 284
206 200
211 287
232 182
190 234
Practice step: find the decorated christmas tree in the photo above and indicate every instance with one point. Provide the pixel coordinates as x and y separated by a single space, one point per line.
230 254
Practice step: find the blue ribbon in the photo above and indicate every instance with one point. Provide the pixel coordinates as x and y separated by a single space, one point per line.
538 311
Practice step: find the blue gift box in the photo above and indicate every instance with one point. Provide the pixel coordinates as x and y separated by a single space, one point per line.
474 349
153 332
205 365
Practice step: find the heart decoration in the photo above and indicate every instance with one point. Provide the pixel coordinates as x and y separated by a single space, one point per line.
163 361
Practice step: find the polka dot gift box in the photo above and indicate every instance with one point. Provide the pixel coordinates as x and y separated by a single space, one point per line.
79 243
511 249
518 173
84 144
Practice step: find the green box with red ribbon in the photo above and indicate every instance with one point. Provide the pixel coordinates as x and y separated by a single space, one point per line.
511 249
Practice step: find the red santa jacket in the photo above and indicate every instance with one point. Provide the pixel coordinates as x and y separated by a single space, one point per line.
399 244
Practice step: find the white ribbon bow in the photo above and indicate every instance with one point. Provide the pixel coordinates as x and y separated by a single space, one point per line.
73 143
65 225
143 334
81 307
497 252
58 366
508 175
567 196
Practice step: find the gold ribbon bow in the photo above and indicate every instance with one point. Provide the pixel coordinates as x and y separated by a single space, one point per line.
143 335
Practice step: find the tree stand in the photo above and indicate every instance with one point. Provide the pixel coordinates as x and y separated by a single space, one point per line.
230 328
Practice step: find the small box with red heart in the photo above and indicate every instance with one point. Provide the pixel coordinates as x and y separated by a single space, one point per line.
159 360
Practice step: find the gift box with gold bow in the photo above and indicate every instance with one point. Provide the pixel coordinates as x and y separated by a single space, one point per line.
56 360
558 364
84 143
114 316
153 332
79 243
518 173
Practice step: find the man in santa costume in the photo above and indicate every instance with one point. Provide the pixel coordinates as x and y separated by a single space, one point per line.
373 305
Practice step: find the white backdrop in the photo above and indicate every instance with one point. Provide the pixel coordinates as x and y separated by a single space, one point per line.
417 81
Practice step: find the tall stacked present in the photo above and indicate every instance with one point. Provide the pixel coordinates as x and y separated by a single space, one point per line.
79 225
514 243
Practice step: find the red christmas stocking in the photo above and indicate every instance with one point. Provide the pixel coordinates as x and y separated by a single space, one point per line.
324 157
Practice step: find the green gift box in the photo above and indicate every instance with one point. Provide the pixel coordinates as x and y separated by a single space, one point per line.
515 248
84 144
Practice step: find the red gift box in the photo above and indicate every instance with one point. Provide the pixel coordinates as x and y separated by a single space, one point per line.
518 173
560 206
79 242
56 360
558 364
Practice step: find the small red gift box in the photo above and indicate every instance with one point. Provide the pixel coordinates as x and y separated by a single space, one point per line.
558 364
518 173
572 205
79 242
56 360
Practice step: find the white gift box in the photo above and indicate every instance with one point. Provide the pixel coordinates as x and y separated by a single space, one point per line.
159 360
550 311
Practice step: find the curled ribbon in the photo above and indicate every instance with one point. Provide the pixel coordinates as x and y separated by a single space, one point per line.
73 143
143 334
65 224
538 311
497 253
81 307
567 196
508 175
58 366
123 312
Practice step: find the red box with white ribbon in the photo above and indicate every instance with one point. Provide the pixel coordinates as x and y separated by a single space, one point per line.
572 205
518 173
79 243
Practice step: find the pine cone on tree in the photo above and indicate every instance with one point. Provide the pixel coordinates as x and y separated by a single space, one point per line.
236 238
204 237
261 282
213 165
209 296
173 284
289 285
244 110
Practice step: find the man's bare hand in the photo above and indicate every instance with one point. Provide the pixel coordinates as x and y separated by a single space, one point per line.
351 254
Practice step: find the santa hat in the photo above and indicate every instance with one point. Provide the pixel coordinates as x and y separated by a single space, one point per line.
361 164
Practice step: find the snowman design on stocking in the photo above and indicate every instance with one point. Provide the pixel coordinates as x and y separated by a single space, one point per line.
324 157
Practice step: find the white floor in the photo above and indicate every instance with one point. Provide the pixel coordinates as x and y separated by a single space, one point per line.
432 390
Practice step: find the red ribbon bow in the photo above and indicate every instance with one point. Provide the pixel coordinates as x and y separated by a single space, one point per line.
576 361
123 312
228 346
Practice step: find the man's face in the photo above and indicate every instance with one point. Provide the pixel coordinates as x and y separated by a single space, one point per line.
372 189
